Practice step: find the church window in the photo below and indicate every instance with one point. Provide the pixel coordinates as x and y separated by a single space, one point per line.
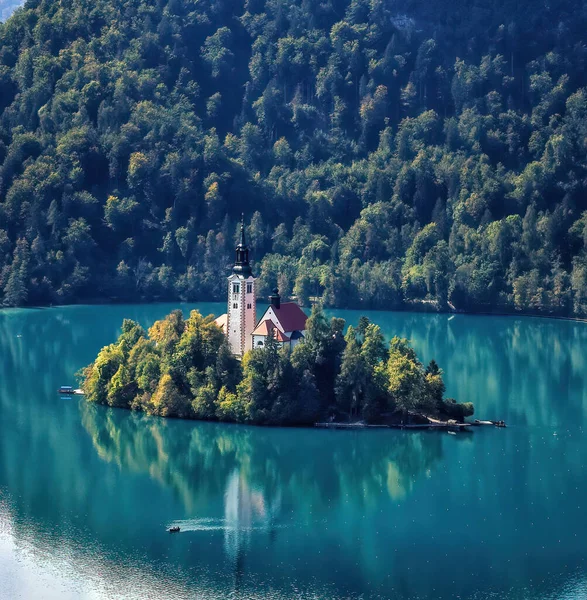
249 288
249 305
235 305
236 288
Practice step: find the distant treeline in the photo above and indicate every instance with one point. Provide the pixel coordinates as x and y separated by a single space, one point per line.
184 368
384 151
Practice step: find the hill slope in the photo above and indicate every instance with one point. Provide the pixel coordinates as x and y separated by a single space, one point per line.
384 151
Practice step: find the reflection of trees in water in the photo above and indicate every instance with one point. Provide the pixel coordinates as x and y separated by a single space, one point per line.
267 480
38 445
33 343
303 469
401 459
529 371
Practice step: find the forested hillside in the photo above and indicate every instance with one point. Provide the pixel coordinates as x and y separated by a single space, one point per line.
384 152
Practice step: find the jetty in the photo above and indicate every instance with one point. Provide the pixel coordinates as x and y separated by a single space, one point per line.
431 423
449 426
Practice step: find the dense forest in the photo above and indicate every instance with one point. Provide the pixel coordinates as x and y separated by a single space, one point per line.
184 368
385 152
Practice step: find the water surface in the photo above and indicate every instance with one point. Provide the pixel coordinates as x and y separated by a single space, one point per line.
86 492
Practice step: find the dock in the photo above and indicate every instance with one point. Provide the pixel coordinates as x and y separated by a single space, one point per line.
432 424
450 426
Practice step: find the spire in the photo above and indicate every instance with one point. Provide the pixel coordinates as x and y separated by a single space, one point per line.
243 243
275 298
241 263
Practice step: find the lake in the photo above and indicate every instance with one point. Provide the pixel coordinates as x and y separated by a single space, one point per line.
86 492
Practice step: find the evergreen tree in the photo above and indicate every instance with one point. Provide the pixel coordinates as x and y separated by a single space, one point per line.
16 288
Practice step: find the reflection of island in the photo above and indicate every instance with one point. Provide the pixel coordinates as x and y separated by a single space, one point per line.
259 470
262 487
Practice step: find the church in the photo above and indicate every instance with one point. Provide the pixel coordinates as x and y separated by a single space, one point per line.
284 321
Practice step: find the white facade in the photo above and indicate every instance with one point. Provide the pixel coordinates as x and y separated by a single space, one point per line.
270 314
242 313
258 341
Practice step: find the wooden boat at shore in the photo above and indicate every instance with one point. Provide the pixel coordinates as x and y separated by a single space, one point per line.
492 423
68 390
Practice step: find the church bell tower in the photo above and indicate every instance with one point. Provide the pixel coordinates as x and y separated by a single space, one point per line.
242 309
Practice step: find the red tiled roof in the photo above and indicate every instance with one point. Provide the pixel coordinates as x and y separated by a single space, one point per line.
291 316
267 327
280 337
263 327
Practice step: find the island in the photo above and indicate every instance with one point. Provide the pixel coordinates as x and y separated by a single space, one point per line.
235 368
184 368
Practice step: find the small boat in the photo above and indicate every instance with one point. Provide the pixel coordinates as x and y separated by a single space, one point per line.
451 433
174 529
499 423
66 389
478 422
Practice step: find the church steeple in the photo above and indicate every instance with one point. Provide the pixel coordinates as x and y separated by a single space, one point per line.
241 262
242 304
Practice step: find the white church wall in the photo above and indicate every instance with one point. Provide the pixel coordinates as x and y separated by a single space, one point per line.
250 311
235 315
242 313
270 314
258 341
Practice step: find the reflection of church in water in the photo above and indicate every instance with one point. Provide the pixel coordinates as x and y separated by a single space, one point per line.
284 321
246 512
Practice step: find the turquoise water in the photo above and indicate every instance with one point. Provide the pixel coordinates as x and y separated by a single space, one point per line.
87 492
